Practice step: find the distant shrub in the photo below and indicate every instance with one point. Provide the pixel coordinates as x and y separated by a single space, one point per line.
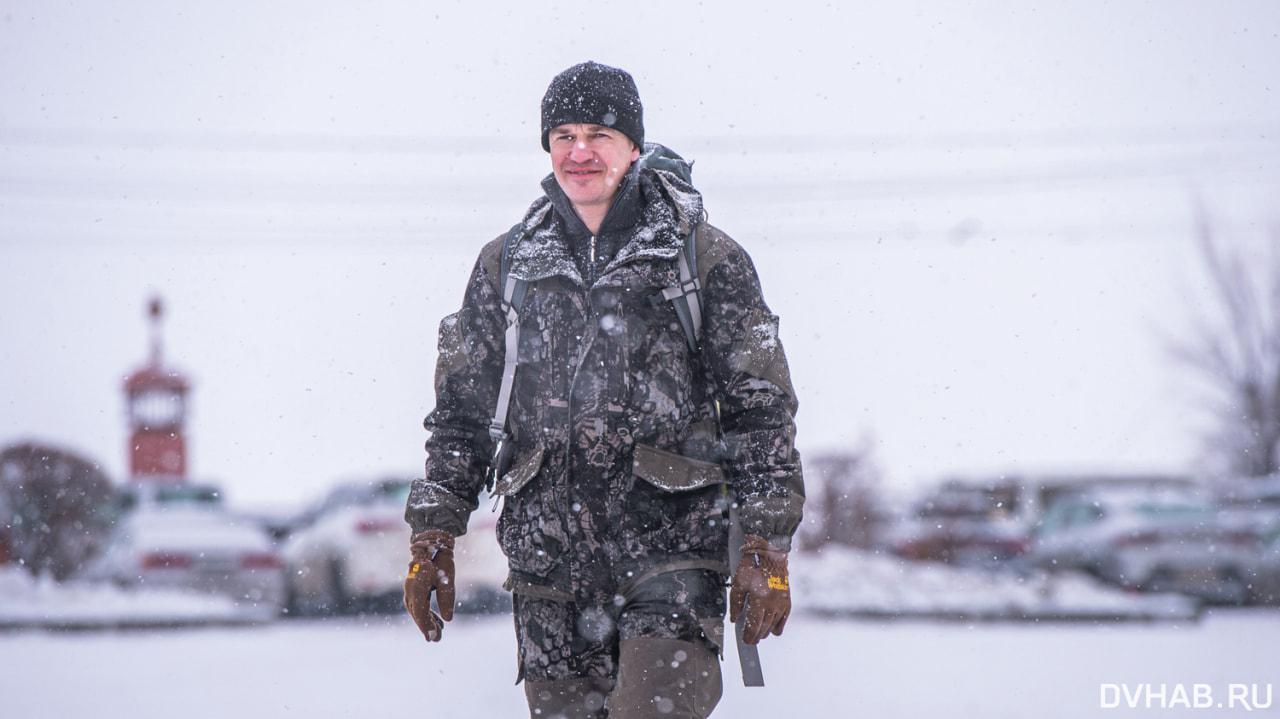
56 508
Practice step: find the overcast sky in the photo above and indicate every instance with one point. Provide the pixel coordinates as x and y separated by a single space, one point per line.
975 219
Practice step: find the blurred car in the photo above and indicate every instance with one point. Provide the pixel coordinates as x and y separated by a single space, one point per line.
149 494
481 567
1264 571
1147 539
1249 492
350 554
963 542
968 525
1250 504
202 550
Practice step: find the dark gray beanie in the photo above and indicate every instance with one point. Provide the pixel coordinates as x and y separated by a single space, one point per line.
593 94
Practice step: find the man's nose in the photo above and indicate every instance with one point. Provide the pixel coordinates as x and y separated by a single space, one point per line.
580 152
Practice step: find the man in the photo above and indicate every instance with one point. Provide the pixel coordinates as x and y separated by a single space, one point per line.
630 440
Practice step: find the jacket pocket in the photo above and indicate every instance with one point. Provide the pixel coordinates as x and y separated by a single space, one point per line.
672 472
533 544
678 509
521 471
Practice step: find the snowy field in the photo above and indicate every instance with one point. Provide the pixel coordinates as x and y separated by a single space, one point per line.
380 667
1056 646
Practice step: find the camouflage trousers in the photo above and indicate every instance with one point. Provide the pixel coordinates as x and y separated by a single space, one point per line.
652 653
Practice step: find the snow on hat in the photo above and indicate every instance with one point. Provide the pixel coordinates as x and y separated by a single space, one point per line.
593 94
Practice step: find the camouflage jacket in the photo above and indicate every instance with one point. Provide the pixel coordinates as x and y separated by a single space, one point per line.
621 463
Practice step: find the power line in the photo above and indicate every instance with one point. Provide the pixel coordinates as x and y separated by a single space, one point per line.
826 141
1253 167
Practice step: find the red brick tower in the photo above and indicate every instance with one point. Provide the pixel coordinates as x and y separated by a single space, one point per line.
157 404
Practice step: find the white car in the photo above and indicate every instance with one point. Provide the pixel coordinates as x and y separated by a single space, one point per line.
1154 540
204 550
480 565
351 552
153 494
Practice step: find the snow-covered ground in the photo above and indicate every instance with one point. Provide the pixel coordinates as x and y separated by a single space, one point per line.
835 582
381 667
845 582
870 637
26 602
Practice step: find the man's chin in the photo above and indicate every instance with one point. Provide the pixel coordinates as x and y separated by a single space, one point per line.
586 193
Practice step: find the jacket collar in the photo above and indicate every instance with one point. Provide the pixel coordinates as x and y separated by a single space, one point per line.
625 211
654 211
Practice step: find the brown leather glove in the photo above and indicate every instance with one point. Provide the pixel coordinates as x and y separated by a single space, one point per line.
431 568
760 587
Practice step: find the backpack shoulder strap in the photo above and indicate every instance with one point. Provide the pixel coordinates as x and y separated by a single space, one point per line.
686 297
513 294
513 291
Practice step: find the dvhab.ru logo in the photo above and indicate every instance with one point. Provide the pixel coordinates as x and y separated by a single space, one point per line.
1246 697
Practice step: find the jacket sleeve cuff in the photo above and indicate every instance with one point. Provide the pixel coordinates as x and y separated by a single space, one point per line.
775 519
432 508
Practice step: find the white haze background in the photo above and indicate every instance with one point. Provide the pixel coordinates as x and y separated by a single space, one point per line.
976 219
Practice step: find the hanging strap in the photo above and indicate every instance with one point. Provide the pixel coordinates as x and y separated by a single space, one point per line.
748 654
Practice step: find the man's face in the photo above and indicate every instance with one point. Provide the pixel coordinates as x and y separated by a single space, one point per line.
589 162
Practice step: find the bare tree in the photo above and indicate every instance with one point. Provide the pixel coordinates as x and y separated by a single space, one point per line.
56 505
1237 353
844 507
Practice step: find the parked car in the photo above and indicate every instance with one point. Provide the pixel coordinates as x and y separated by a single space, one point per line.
1264 571
351 552
1251 504
198 549
481 566
968 525
348 552
151 494
962 542
1249 492
1147 539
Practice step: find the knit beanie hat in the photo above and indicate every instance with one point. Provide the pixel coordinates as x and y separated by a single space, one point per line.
593 94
